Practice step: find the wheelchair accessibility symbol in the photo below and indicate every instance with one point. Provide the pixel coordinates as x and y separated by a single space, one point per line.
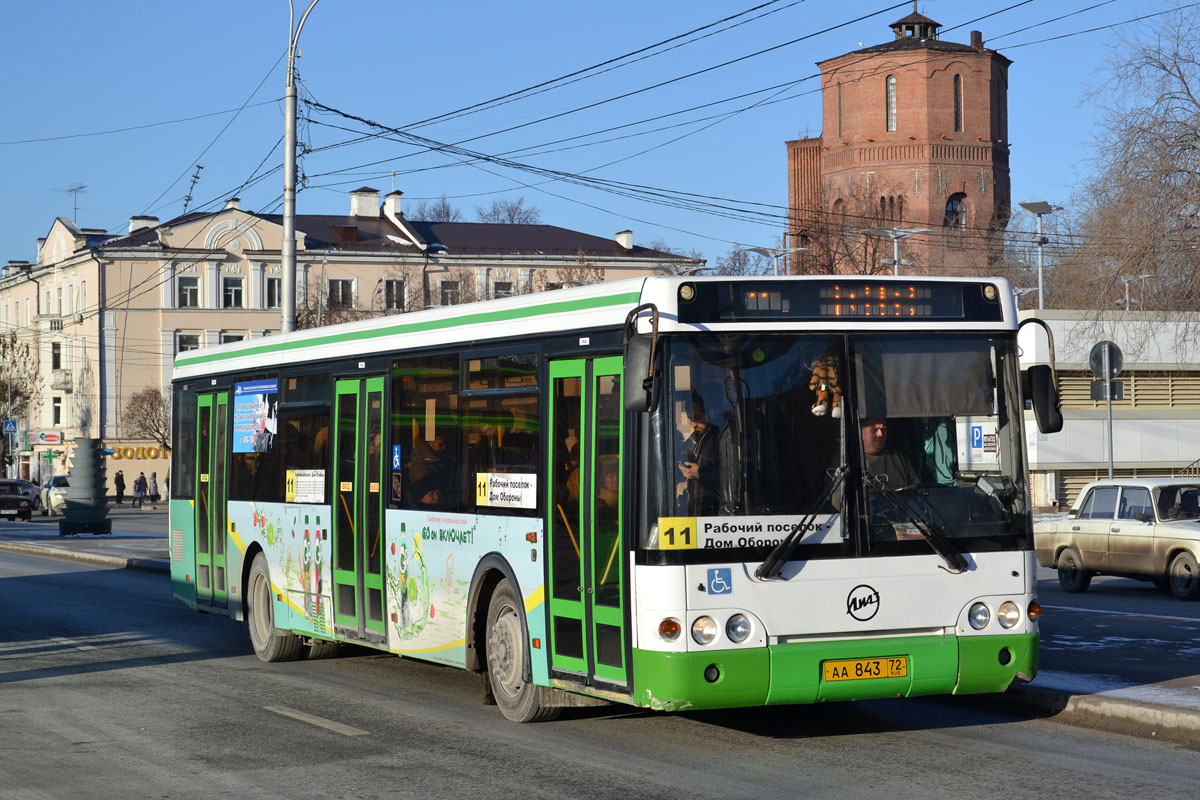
720 580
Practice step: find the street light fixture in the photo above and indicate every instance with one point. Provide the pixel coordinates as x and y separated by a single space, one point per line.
774 253
1128 281
895 234
1040 208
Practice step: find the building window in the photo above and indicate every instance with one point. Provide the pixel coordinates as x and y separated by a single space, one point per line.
553 286
56 411
55 355
503 289
187 341
341 293
891 102
58 294
450 293
956 212
839 110
226 338
231 293
189 293
274 292
958 120
393 294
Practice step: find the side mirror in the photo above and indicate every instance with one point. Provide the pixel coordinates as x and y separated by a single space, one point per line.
1044 395
1073 514
643 375
640 374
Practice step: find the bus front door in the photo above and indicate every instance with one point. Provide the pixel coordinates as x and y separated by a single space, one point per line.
358 510
587 561
212 461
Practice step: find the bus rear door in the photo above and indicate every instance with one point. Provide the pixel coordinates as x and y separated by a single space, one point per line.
212 466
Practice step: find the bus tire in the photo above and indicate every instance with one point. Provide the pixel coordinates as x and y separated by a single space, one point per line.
507 653
1072 577
1184 576
270 643
319 648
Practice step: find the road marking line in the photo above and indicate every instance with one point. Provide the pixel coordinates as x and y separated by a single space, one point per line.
320 722
1164 617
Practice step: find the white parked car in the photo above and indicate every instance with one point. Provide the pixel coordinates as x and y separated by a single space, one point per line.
1137 528
53 495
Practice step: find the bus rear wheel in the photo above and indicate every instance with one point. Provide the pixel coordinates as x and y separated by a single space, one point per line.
270 643
507 655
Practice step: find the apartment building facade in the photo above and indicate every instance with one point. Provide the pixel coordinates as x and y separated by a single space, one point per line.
107 313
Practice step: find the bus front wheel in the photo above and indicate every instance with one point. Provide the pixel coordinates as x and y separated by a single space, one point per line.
270 643
507 655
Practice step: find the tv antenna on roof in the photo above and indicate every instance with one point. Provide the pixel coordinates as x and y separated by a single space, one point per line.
187 200
75 191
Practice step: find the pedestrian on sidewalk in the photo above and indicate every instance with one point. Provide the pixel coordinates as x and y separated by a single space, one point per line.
119 484
139 491
153 491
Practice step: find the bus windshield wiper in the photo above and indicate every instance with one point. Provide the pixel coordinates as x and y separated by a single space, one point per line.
929 530
773 563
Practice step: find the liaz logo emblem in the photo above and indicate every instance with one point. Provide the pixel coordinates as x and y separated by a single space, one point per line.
862 603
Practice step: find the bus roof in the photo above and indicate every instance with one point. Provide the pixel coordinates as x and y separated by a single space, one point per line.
597 306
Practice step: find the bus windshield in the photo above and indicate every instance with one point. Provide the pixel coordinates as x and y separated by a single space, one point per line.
926 426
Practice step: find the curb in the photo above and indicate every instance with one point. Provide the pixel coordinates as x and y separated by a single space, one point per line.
1103 713
146 564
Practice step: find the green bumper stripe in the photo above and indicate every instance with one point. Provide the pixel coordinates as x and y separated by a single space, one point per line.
789 674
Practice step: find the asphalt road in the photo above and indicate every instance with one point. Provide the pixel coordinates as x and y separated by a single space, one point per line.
109 688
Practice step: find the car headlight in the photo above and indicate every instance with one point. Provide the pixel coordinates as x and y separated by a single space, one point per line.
1008 614
737 628
979 616
704 630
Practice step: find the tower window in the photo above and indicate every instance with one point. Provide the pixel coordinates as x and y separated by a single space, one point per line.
891 102
956 212
958 110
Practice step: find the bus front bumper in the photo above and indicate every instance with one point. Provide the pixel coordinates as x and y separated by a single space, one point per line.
793 673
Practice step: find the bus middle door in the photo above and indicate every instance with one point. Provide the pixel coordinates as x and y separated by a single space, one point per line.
586 557
358 509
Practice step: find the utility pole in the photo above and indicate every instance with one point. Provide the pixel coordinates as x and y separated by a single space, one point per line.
287 251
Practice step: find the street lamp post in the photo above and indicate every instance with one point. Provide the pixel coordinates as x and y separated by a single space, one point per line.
1128 281
1040 208
287 250
895 234
775 253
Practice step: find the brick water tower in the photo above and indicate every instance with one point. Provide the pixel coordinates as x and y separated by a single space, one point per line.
914 138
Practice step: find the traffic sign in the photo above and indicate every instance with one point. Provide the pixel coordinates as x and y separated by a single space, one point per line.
1115 360
10 426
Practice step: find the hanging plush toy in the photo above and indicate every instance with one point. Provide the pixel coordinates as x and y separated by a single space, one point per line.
825 383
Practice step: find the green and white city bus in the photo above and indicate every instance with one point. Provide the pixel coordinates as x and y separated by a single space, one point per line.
657 492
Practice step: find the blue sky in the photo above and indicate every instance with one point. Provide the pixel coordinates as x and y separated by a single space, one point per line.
76 69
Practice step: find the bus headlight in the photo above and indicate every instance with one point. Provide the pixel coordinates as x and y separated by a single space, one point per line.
1008 614
737 628
669 629
979 616
704 630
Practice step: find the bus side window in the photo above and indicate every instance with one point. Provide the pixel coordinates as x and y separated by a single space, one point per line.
426 456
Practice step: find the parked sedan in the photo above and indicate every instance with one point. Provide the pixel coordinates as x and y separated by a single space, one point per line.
1147 529
13 504
54 495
